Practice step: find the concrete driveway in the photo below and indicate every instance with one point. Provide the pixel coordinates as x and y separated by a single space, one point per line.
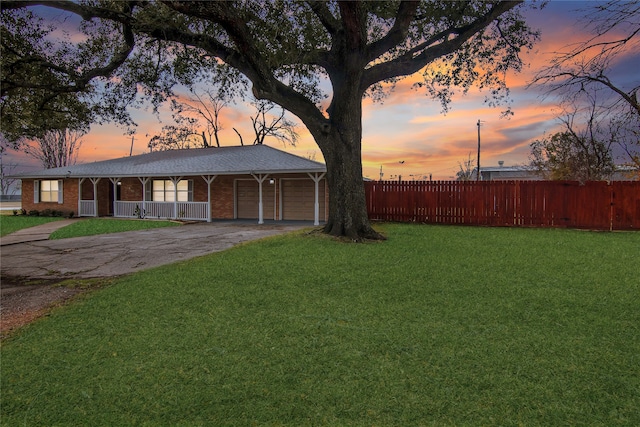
123 253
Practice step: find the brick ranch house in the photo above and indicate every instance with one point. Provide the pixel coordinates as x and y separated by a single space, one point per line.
243 182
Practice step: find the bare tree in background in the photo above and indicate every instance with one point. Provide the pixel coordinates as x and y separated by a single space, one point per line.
267 124
7 186
466 169
187 114
184 134
56 148
580 70
582 152
206 105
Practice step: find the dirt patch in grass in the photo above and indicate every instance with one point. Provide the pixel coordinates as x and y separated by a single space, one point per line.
23 300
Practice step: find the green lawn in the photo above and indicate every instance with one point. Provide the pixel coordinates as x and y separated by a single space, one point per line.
11 223
94 226
84 227
436 326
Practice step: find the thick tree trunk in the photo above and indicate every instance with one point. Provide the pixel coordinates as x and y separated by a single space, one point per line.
338 133
347 203
341 146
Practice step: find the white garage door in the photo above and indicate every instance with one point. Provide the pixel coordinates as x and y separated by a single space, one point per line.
298 199
247 199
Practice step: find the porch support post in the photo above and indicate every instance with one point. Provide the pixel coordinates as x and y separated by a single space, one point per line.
80 181
209 179
175 180
316 207
95 181
144 181
260 178
115 182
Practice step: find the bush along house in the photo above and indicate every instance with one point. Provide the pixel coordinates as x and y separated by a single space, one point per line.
244 182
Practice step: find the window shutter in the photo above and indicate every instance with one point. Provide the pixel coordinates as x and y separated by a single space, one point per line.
190 191
60 198
36 191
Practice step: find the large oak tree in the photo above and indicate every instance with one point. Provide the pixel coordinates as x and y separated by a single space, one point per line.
316 59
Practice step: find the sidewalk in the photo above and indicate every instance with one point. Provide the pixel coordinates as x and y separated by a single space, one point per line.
34 234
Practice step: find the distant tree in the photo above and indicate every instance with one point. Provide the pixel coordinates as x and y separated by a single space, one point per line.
286 49
203 104
625 131
466 168
277 126
56 147
7 186
207 106
580 152
184 134
580 70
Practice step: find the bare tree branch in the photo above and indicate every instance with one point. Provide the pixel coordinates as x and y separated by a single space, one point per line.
590 62
56 148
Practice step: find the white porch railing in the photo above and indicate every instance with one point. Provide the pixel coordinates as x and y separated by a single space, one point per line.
86 208
160 210
127 209
192 210
185 210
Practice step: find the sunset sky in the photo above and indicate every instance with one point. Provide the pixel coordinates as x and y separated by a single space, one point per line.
408 126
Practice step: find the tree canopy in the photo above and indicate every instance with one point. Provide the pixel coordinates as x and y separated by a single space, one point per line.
316 59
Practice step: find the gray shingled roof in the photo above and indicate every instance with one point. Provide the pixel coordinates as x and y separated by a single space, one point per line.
258 159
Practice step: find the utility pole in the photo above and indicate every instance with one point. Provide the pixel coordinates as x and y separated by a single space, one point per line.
478 161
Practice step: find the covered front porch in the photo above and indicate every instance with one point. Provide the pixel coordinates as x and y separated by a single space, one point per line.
190 198
175 210
142 209
134 197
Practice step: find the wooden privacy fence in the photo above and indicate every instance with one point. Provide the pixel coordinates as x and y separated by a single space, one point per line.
597 205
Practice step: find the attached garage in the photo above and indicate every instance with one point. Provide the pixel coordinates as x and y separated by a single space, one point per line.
248 197
298 199
282 198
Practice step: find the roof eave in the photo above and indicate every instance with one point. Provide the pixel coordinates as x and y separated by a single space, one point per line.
149 175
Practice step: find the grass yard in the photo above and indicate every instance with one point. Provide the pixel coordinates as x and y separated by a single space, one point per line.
436 326
11 223
84 227
94 226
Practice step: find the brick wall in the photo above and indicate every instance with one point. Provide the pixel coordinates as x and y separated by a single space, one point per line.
131 190
105 197
222 204
200 189
69 197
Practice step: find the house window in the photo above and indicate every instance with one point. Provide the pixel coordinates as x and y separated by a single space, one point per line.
48 191
164 191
